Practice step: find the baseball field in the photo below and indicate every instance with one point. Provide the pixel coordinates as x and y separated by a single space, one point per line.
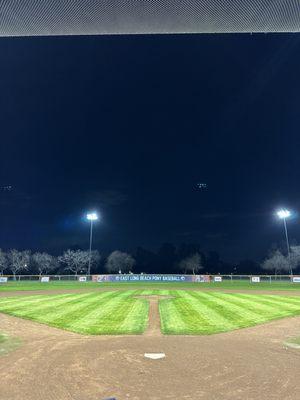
71 340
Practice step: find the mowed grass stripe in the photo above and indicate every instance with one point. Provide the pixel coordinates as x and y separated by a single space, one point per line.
284 302
247 314
57 302
237 315
30 309
73 311
118 313
136 319
253 309
251 312
259 305
89 313
95 319
206 307
121 312
30 300
174 324
193 319
55 313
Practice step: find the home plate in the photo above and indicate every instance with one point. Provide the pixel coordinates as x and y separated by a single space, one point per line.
155 356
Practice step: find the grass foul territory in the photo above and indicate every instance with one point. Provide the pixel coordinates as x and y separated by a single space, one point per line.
120 312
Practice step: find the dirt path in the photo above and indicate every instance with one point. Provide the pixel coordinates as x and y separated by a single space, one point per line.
153 328
247 364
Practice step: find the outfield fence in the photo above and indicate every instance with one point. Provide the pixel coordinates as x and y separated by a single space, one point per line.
153 278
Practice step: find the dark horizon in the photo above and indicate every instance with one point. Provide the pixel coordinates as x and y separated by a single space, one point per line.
130 126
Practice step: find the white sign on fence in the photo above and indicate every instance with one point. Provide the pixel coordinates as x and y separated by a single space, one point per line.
296 279
82 279
255 279
217 279
45 279
3 279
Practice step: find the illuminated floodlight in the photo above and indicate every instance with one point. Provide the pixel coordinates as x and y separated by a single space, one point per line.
283 213
92 216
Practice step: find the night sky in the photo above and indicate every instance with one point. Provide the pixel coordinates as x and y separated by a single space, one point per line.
129 125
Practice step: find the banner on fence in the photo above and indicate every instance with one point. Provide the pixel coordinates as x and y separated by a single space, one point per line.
3 279
255 279
217 279
45 279
150 278
82 278
296 279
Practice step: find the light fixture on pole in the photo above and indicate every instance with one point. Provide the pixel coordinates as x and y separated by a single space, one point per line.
284 214
91 217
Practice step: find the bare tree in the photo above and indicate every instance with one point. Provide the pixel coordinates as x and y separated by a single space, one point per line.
276 262
295 257
119 261
44 262
95 258
3 262
18 261
192 264
75 260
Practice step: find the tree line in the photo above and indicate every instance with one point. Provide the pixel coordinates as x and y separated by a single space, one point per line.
77 261
186 258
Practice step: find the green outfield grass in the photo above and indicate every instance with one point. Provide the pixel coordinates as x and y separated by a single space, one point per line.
119 312
88 313
204 313
65 285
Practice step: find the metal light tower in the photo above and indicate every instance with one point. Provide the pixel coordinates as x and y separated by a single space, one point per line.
284 214
91 217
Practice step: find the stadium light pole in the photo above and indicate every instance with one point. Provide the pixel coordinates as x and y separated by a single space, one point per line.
284 214
92 216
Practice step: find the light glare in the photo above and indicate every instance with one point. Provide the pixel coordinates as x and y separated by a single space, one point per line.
283 213
92 216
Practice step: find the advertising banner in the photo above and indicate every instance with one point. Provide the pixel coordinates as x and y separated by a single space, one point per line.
45 279
296 279
100 278
82 278
255 279
217 279
150 278
3 279
200 278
